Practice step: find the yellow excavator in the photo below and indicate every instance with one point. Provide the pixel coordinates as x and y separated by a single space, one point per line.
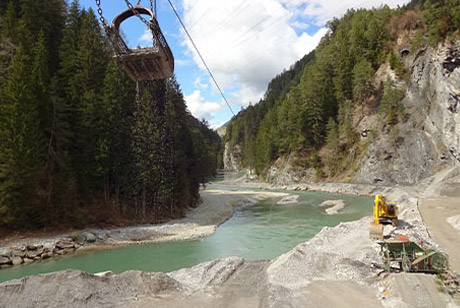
385 213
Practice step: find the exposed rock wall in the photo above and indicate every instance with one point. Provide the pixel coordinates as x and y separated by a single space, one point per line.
284 172
232 158
428 140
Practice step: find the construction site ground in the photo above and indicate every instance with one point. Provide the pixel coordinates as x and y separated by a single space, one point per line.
435 213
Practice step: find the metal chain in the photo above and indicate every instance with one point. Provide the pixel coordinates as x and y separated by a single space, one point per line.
101 17
131 7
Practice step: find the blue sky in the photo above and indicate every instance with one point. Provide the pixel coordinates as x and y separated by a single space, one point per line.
245 43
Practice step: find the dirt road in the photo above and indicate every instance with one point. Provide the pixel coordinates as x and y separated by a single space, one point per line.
435 213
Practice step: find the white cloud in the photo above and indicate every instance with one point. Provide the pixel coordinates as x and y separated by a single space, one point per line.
199 107
300 25
146 38
322 11
216 124
197 83
247 43
182 62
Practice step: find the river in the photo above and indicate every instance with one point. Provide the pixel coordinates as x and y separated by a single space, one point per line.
263 231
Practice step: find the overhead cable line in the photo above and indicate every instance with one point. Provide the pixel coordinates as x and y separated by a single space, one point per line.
201 57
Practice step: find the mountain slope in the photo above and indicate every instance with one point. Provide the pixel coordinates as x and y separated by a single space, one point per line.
364 90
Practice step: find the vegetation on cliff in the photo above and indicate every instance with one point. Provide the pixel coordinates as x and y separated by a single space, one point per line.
76 145
312 109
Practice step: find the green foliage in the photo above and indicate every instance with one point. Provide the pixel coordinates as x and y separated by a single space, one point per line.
21 154
418 42
442 17
333 144
315 161
362 80
9 21
396 64
390 105
73 136
332 139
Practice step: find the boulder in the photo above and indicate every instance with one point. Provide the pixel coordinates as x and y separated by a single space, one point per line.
65 244
47 255
34 253
289 199
31 247
5 260
89 237
334 206
17 260
104 274
65 251
18 253
27 260
5 252
48 246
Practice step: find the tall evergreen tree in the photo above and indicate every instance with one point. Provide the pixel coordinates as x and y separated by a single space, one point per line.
148 149
21 154
362 80
114 145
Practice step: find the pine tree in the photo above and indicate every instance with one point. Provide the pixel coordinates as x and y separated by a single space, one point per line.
148 149
390 105
86 97
114 144
9 22
333 143
47 17
64 101
41 81
362 80
21 154
442 17
332 137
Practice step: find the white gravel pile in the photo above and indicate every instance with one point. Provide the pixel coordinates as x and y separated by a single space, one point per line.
207 274
341 253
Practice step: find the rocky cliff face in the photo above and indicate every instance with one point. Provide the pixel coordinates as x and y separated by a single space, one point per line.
232 158
428 140
284 172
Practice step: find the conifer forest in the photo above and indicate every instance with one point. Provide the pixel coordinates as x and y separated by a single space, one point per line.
81 143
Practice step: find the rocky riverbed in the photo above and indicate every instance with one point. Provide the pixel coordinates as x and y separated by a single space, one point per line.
217 206
339 267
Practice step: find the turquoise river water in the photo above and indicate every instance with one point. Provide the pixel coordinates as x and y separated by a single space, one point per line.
263 231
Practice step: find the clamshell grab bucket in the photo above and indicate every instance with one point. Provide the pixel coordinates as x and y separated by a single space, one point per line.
142 64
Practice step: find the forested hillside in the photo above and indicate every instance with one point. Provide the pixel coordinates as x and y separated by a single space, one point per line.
79 144
310 112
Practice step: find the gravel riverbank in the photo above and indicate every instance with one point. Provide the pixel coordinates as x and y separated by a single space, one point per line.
216 207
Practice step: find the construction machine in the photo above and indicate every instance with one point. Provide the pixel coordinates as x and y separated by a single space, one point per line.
385 213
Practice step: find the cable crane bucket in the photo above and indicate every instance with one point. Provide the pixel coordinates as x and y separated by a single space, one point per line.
142 64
